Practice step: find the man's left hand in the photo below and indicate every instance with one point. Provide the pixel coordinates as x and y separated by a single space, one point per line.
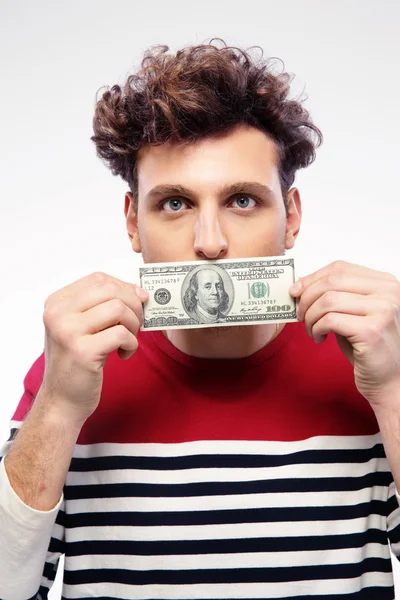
361 307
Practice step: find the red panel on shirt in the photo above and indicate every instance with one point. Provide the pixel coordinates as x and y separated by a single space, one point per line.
289 390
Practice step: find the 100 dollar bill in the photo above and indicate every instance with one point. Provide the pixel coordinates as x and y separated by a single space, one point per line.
195 294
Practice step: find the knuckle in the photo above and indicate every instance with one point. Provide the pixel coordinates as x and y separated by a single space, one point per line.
117 306
133 340
134 343
332 279
47 316
121 334
373 332
390 312
98 277
388 309
50 315
117 333
328 299
338 265
330 320
111 288
48 302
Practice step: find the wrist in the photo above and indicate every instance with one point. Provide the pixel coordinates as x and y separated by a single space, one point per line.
387 401
387 415
54 410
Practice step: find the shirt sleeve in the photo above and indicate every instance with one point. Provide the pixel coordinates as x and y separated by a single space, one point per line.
393 519
32 541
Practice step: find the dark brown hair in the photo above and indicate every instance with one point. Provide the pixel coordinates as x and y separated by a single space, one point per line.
199 92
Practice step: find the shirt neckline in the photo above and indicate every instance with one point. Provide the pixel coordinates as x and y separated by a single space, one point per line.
255 359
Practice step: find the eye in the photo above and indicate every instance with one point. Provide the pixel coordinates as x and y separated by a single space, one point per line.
244 201
172 204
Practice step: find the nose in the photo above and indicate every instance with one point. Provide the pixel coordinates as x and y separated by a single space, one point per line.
210 241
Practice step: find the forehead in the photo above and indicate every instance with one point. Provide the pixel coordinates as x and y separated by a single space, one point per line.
245 153
208 275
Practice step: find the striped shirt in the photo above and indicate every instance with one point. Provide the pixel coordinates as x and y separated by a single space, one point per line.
260 477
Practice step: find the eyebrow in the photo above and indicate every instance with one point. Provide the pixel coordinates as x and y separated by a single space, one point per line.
255 187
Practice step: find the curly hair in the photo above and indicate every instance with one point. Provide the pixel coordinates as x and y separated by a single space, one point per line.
189 299
199 92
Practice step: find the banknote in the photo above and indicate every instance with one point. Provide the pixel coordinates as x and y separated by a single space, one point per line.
219 293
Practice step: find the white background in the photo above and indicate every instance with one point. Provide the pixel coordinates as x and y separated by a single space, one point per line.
61 211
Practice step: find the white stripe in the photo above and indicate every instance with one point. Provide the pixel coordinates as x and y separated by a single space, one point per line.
228 561
225 531
57 532
230 501
394 517
4 448
299 471
229 590
328 442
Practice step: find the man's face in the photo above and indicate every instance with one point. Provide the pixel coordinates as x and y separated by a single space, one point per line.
209 292
212 199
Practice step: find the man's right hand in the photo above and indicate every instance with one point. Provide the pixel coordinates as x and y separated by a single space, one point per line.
84 322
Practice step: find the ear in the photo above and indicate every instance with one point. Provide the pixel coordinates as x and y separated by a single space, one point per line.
293 219
131 222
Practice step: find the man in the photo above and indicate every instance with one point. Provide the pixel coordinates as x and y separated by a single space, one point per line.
205 299
223 462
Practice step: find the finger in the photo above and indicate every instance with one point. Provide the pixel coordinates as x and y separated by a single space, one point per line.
109 314
96 294
109 340
80 284
343 302
342 267
349 326
345 283
96 279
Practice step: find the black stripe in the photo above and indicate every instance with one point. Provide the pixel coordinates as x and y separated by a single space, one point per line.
61 518
56 545
229 516
251 575
394 536
42 593
50 570
227 546
223 461
392 505
370 593
13 433
223 488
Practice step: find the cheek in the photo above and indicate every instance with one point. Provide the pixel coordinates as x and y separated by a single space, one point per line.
159 244
258 236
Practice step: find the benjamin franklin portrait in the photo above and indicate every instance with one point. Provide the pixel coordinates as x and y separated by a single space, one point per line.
206 299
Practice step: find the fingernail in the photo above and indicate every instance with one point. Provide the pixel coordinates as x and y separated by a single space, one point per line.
296 287
143 295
